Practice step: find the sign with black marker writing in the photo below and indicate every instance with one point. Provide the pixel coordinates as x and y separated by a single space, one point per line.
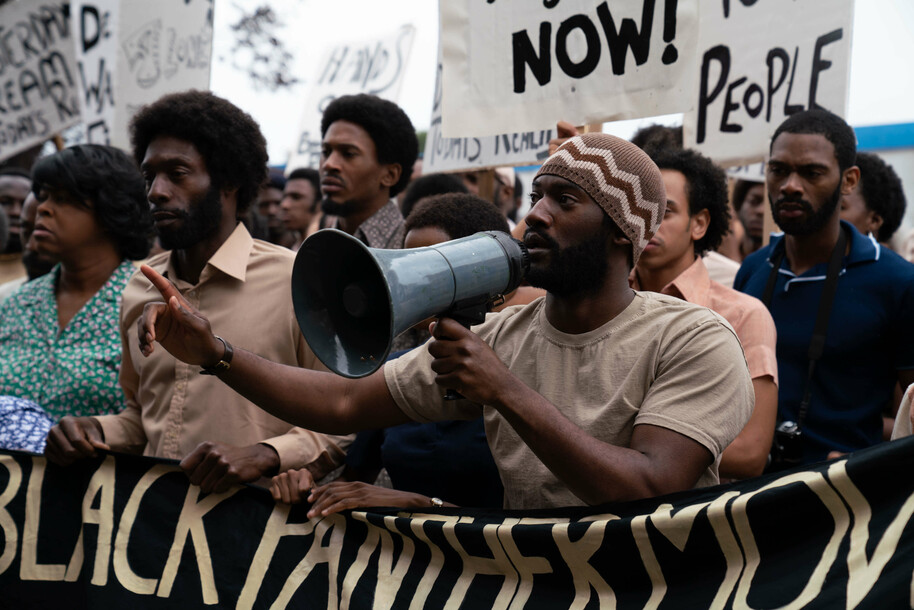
456 154
95 22
758 63
163 47
516 65
39 92
374 66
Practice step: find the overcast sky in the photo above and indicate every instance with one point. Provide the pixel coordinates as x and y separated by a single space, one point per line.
881 85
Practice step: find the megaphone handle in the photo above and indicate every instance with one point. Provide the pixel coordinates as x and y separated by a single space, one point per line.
468 314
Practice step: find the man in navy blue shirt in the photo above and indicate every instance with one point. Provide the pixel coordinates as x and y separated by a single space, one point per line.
869 341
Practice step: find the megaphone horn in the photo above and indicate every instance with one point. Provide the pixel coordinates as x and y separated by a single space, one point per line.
351 300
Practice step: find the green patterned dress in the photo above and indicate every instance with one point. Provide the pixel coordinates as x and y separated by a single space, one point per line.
71 371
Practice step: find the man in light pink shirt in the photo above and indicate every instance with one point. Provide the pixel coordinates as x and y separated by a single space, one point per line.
695 221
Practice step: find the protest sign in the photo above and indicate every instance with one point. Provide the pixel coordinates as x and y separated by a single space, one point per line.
516 65
754 172
457 154
95 22
759 62
39 92
163 47
374 66
125 531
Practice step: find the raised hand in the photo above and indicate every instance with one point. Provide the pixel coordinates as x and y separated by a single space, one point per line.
181 329
563 131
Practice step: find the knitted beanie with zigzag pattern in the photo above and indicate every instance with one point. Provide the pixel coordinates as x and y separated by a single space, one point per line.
620 177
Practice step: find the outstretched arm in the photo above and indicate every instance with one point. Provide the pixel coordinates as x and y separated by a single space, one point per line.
316 400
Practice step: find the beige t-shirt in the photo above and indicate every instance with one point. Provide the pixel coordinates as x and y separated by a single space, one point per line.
662 361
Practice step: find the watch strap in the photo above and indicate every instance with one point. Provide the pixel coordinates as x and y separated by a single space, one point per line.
225 363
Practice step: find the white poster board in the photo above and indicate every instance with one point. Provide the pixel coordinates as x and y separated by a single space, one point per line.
95 22
458 154
373 66
38 74
759 62
516 65
163 47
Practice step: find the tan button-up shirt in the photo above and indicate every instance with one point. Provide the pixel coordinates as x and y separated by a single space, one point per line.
244 291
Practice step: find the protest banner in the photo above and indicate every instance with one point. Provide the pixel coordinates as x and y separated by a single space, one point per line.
516 65
373 66
459 154
163 47
760 62
39 92
131 532
96 54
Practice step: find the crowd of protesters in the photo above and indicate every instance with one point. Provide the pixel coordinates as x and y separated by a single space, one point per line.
661 341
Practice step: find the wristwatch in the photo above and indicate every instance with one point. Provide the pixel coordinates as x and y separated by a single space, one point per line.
224 364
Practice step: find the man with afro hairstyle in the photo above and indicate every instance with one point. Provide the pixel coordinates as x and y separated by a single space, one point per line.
877 204
696 218
204 160
367 153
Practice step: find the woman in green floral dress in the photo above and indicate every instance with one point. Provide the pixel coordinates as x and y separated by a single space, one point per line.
60 343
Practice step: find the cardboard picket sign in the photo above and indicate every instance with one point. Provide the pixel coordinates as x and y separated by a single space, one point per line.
38 74
163 47
759 62
373 66
459 154
95 23
515 66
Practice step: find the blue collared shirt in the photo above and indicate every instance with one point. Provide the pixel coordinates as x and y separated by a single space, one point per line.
870 338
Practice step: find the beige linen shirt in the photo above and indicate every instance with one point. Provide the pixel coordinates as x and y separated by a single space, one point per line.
748 316
11 267
244 291
661 361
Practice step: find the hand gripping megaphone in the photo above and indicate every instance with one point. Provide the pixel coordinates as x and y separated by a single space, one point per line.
351 300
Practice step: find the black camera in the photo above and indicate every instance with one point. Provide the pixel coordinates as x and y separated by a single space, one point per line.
787 449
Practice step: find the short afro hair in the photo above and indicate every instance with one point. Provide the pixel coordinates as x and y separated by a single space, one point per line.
882 193
706 187
227 138
658 137
428 185
740 190
388 126
105 180
457 214
819 121
312 176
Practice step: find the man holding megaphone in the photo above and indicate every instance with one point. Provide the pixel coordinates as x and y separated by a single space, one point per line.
594 393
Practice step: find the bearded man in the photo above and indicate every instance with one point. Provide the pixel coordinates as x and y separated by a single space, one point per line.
845 337
591 394
204 160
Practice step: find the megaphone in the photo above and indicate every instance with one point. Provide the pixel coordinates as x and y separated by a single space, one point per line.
351 300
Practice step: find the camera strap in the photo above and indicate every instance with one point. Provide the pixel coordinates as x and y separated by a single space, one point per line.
817 343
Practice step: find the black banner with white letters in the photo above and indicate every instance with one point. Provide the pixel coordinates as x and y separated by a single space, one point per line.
129 532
